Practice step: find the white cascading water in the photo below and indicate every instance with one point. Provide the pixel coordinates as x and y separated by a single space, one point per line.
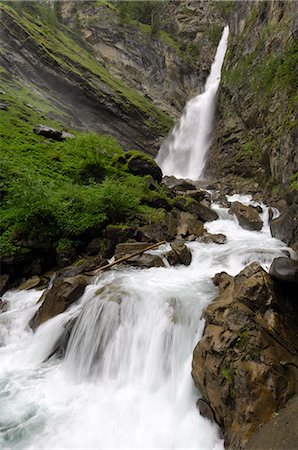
184 153
125 381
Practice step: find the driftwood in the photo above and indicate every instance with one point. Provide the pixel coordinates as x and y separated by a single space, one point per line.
124 258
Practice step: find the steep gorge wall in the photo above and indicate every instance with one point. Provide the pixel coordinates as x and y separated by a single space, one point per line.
256 129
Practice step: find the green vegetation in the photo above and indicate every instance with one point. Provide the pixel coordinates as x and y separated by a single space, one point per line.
294 182
58 193
150 13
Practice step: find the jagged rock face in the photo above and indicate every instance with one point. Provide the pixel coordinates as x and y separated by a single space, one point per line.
255 132
115 78
244 365
153 67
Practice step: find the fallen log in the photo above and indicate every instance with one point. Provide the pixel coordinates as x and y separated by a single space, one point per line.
124 258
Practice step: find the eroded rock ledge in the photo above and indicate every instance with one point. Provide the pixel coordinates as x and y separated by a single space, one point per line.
245 365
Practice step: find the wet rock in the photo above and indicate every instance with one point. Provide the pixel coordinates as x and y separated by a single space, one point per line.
189 225
3 306
32 283
222 280
130 248
58 298
247 216
209 238
221 199
244 365
4 278
205 410
190 205
162 230
179 254
284 270
285 227
145 261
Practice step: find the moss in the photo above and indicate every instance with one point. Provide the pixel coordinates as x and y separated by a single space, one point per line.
294 182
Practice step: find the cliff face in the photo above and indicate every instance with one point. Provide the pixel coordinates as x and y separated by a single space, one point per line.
103 72
255 134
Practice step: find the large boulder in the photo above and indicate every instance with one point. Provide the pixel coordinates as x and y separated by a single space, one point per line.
247 216
189 225
285 227
179 254
140 164
190 205
161 230
244 365
285 270
58 298
52 133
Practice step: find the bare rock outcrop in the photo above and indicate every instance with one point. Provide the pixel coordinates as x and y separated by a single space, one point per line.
58 298
244 365
248 217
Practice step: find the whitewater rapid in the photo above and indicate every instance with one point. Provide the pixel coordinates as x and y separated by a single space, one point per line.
184 153
125 381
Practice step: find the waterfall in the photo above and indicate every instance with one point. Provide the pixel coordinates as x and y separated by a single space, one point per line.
184 153
125 381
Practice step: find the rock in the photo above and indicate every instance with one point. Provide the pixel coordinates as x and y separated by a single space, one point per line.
162 230
209 238
205 410
247 216
200 195
65 256
285 227
33 282
130 248
3 306
221 199
4 278
281 433
117 234
222 280
189 225
4 106
141 164
48 132
284 270
202 212
179 254
244 363
178 185
58 298
66 135
159 202
145 261
94 246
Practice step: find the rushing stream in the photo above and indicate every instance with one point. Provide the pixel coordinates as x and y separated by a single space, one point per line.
125 381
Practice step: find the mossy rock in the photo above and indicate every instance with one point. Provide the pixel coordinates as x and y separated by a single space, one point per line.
140 164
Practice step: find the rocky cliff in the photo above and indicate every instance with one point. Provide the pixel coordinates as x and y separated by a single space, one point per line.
102 71
256 134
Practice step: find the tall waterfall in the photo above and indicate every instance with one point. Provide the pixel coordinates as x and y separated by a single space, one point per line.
184 153
125 381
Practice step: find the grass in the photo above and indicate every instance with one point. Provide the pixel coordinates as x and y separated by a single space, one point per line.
59 193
